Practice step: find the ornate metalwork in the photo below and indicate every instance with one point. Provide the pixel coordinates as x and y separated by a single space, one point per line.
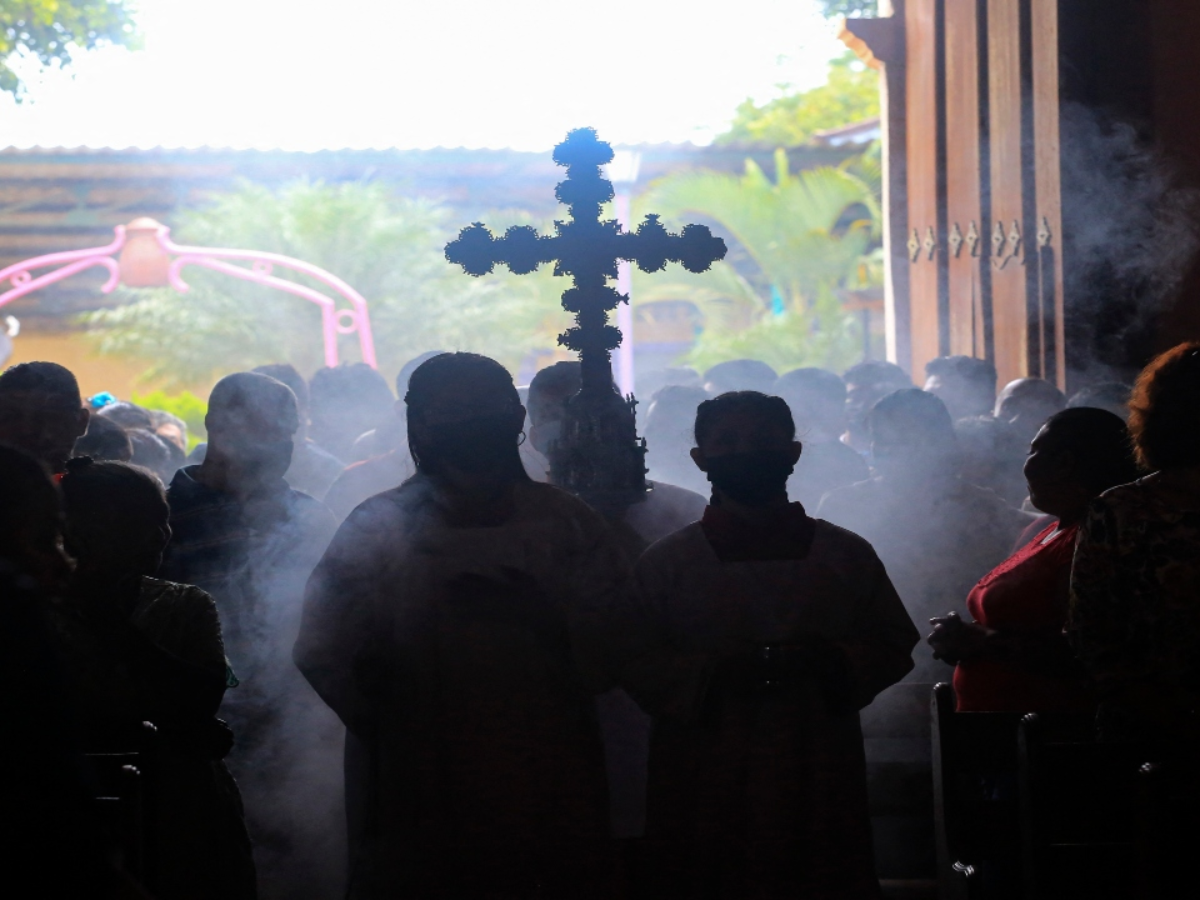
1044 235
930 242
914 246
1014 240
973 239
262 266
600 457
956 240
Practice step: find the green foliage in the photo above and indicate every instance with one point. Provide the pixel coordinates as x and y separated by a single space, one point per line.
390 249
799 243
850 95
185 405
52 31
831 8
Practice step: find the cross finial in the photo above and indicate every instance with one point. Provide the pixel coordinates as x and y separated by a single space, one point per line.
587 248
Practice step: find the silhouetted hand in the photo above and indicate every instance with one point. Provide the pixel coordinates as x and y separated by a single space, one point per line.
954 640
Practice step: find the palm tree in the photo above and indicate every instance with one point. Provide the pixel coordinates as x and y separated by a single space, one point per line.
799 244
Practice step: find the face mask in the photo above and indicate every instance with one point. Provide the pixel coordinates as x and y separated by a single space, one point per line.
475 445
750 478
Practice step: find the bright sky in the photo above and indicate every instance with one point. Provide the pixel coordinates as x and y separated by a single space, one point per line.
316 74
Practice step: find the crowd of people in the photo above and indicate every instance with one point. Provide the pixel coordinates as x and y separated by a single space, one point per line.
385 656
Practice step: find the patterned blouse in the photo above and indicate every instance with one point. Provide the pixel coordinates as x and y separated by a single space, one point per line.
1134 617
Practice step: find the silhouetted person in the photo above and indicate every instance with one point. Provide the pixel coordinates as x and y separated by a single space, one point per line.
739 375
389 462
664 510
1135 588
1026 404
669 420
241 534
1012 655
1110 395
104 441
50 843
313 470
461 625
936 533
991 456
965 384
346 402
666 507
866 384
139 650
151 453
777 629
41 412
127 415
817 399
391 434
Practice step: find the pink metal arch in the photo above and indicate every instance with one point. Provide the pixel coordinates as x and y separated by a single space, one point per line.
261 271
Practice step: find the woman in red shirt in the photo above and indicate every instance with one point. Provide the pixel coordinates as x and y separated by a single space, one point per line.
1013 656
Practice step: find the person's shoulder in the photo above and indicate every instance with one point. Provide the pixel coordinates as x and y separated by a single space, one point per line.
540 499
676 544
1136 500
851 495
158 592
831 537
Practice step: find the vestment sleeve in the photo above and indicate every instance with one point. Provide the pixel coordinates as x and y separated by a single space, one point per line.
882 637
663 679
337 622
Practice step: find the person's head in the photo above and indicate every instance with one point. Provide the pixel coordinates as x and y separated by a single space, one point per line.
817 398
251 423
127 415
739 375
154 454
746 445
1110 395
41 411
345 402
549 392
171 429
116 520
912 436
286 373
1027 403
406 371
465 419
104 440
30 519
966 385
991 455
1076 456
866 384
1164 411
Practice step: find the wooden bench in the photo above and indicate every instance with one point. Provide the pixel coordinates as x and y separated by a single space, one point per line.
119 762
1080 802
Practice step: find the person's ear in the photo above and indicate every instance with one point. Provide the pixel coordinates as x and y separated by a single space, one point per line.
699 459
85 416
794 451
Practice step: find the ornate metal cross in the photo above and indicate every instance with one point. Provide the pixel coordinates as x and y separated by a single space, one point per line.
602 457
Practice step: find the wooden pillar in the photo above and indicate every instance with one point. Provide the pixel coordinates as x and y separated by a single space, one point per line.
968 199
1047 161
1010 146
926 153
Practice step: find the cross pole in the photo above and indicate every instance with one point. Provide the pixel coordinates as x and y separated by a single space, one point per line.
602 459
